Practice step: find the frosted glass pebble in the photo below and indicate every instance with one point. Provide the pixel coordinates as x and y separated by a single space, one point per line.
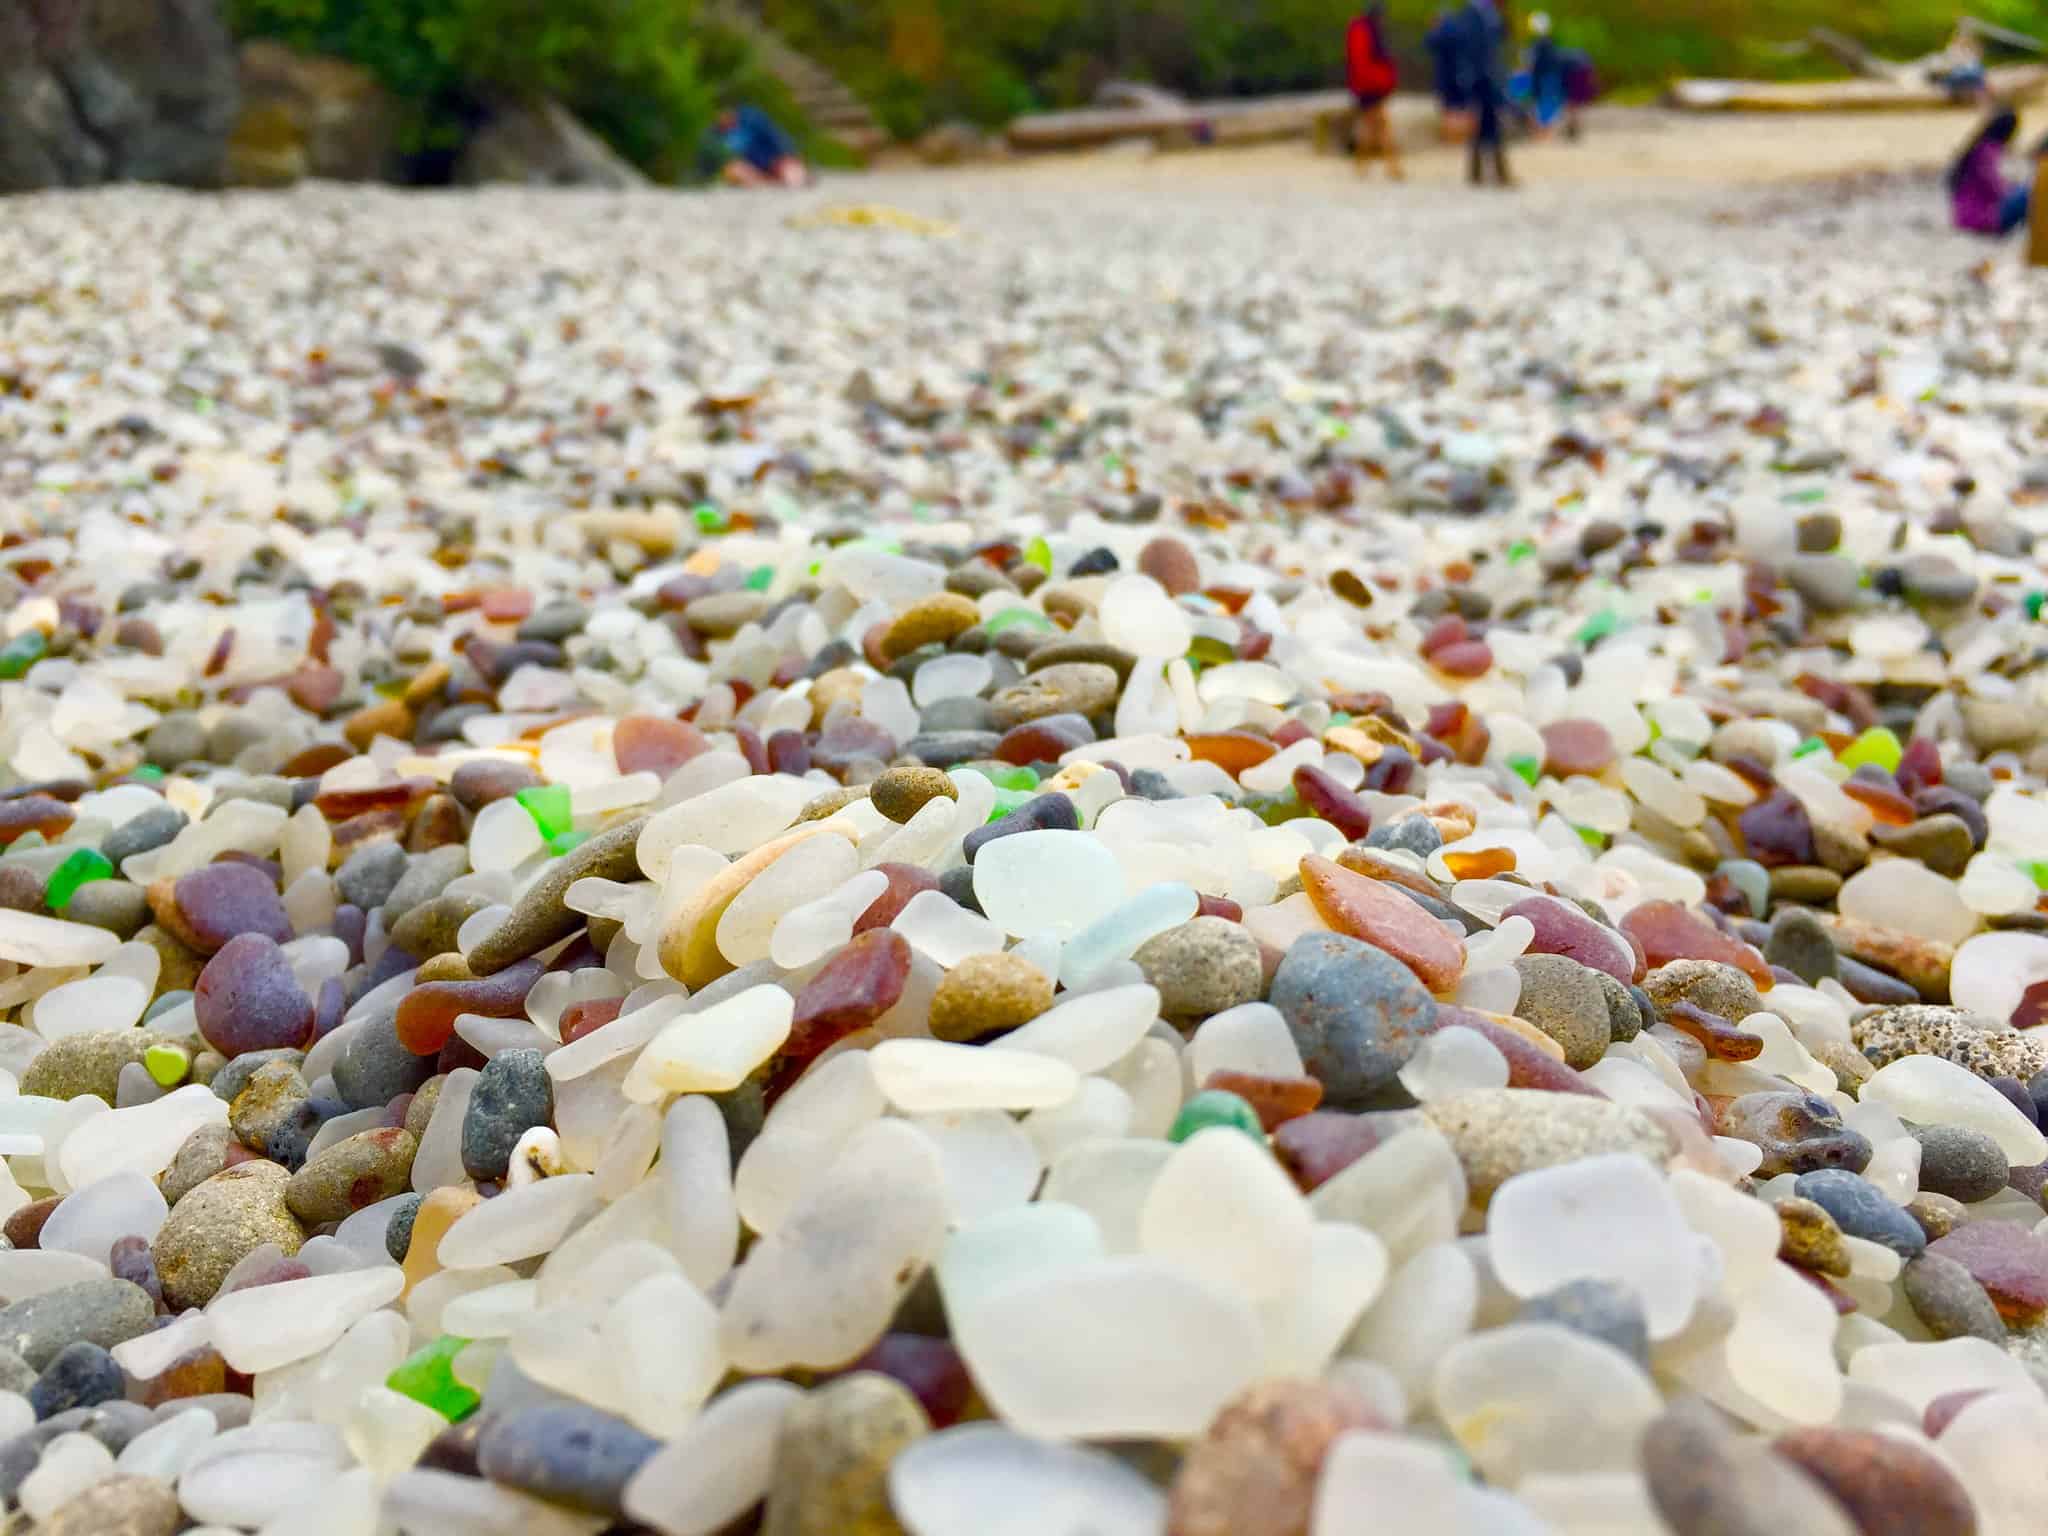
718 1467
1100 1349
1137 614
26 1272
1453 1061
439 1158
1090 1031
989 1256
1608 1217
262 1327
1408 1190
1372 1483
1661 791
808 1125
1501 945
517 1224
731 818
956 675
1995 887
1252 1037
70 1464
1781 1349
449 1504
94 1216
1491 991
625 1035
932 1076
1306 1324
987 1480
715 1050
1425 1306
493 1311
919 840
1110 1180
141 1140
162 1450
28 939
934 924
1117 934
1898 893
814 930
1226 1210
1724 786
1988 976
149 1355
95 1002
1047 882
1098 1109
663 1336
1533 1397
988 1161
503 837
1917 1374
1155 1079
1993 1445
820 1288
1932 1091
696 1174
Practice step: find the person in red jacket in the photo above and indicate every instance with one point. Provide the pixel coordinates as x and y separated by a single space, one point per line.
1369 72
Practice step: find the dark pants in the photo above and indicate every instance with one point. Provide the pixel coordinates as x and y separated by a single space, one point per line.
2012 212
1487 137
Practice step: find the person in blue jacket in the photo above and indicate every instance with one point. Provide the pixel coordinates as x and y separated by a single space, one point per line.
1480 35
1443 42
759 153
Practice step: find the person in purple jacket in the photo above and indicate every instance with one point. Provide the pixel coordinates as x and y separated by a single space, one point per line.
1980 198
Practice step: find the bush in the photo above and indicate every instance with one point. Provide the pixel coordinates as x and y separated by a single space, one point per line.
632 69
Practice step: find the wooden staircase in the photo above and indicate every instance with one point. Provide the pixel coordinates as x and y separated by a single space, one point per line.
831 108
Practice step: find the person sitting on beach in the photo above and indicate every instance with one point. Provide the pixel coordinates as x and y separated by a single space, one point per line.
1369 72
759 153
1959 68
1980 199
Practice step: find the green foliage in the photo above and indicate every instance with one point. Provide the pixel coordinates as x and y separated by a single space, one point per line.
986 59
639 72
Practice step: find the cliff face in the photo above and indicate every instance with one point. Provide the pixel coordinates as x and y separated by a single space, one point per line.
114 90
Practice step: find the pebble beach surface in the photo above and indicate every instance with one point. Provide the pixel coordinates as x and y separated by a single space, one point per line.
1004 855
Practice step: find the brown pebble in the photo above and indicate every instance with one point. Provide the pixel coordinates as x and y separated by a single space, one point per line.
1808 1237
1253 1472
929 620
1172 564
902 792
26 1224
985 994
387 717
1889 1486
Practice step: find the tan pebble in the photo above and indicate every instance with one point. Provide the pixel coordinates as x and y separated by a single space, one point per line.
1808 1237
1348 738
1253 1472
444 967
426 682
987 993
831 803
928 621
388 717
840 685
436 1214
900 793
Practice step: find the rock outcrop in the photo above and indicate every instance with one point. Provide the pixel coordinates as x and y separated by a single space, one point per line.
114 90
